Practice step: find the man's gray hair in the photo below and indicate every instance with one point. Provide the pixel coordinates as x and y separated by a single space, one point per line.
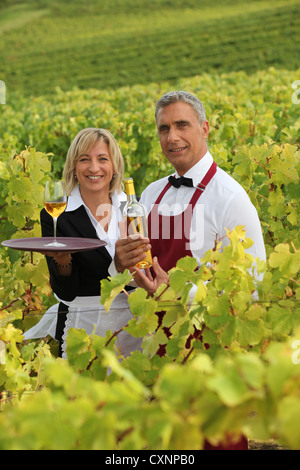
186 97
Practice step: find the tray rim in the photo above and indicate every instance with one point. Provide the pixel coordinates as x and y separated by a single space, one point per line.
22 244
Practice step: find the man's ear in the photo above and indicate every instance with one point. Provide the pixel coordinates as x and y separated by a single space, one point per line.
205 128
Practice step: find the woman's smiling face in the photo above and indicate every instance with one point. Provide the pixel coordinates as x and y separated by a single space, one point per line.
94 170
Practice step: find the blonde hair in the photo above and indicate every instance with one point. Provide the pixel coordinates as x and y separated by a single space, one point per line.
84 141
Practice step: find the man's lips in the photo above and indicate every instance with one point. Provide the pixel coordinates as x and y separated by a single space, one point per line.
177 149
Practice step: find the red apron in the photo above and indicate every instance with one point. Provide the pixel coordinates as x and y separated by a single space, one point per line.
169 238
169 235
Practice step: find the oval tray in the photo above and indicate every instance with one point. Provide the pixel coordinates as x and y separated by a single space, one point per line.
38 244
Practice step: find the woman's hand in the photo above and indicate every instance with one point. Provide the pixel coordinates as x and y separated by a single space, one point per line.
62 259
147 281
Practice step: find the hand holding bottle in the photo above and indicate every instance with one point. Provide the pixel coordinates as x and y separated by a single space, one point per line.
130 249
136 222
150 282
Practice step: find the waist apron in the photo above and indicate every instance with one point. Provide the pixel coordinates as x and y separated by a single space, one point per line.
89 314
169 238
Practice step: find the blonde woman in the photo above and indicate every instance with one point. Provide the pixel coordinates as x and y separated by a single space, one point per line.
93 175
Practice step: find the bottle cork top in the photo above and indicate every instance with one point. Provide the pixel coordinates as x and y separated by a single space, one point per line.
129 186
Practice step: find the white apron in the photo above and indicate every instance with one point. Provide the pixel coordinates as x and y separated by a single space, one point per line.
87 313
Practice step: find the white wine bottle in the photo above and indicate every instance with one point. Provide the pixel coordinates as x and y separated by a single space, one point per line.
135 219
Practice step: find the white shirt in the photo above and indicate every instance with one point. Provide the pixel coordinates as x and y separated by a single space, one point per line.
110 237
223 204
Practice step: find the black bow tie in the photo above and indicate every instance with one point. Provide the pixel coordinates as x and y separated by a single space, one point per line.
176 182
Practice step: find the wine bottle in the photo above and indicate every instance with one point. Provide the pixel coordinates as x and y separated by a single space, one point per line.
135 219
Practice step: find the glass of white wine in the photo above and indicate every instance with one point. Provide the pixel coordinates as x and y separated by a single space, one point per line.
55 202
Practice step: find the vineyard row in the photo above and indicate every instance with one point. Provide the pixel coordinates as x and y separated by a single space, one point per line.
240 42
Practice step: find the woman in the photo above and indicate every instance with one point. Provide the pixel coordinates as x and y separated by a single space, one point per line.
93 175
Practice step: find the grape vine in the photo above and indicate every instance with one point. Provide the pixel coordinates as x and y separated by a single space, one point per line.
221 361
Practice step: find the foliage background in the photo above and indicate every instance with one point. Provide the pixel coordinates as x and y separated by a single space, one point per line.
69 65
111 43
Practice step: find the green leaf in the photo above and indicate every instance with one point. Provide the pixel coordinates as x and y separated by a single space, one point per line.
201 291
250 333
112 286
187 264
77 341
288 414
287 262
281 319
229 386
143 309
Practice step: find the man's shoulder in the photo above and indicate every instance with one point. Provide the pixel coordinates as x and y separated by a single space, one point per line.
155 186
228 182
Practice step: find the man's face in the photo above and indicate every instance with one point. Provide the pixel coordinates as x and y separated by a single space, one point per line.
182 137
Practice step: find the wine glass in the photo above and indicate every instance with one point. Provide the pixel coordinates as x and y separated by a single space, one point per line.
55 202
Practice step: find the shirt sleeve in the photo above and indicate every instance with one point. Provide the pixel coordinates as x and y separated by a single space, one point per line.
240 211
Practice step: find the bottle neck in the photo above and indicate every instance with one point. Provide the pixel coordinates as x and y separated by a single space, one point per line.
129 188
131 198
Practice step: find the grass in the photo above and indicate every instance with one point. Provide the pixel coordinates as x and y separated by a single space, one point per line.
109 44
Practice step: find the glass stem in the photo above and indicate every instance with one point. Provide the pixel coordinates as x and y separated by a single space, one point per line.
54 223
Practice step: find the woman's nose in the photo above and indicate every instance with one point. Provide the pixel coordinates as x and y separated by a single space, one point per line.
93 166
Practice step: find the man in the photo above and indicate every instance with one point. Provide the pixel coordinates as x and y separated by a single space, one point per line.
187 220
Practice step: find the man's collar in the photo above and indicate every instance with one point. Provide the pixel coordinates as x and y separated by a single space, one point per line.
198 171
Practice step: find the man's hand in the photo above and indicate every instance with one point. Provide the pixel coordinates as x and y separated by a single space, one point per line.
130 250
147 281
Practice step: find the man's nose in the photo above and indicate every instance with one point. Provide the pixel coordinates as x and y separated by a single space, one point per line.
172 135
